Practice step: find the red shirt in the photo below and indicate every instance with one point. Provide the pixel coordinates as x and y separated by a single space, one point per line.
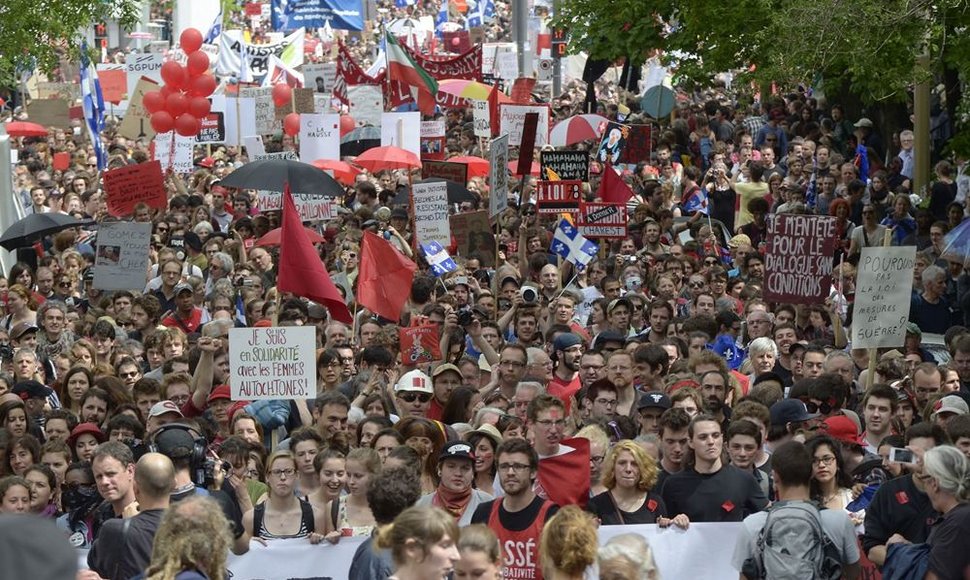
186 325
564 391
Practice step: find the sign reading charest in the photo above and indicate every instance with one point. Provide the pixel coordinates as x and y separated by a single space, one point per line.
272 363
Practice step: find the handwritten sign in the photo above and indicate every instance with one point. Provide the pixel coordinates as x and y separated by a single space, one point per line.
366 104
121 261
272 363
798 263
264 109
882 297
431 212
173 151
483 119
130 185
512 121
498 176
136 122
603 220
565 164
433 140
473 235
319 137
302 98
457 172
310 206
554 197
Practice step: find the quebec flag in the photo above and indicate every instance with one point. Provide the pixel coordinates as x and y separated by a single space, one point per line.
441 263
571 245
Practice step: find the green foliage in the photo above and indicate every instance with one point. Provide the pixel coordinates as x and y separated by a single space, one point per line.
41 32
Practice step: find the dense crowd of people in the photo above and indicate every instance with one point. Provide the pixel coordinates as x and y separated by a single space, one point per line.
654 385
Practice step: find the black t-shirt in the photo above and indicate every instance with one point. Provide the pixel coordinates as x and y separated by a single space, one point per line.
728 495
949 557
610 514
898 508
229 507
119 553
513 521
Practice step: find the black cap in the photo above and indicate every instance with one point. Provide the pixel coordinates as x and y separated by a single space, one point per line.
654 400
175 443
456 450
608 336
192 241
790 411
32 390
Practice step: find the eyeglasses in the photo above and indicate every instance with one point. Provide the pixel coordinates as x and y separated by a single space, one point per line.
606 402
696 284
827 460
513 466
411 397
549 423
290 472
64 284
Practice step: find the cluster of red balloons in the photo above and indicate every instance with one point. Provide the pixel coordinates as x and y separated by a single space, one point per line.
282 94
182 101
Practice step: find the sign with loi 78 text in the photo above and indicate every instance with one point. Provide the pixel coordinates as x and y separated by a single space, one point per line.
603 220
555 197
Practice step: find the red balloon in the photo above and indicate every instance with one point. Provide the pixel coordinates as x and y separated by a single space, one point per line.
166 90
190 40
187 125
202 85
347 124
153 101
162 122
282 93
174 74
291 124
199 106
176 104
197 64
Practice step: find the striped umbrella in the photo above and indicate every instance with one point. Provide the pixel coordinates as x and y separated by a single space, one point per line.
472 90
576 129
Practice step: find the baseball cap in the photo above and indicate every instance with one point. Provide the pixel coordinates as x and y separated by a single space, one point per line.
22 328
414 381
220 392
32 390
619 302
790 411
608 336
566 340
508 279
843 429
654 400
162 407
183 287
443 368
456 450
863 122
174 443
950 404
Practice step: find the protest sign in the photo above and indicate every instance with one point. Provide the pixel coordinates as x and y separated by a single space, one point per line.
473 235
288 49
498 176
402 130
310 206
139 65
366 104
457 172
121 259
303 101
419 344
798 262
490 53
214 124
114 82
431 212
338 14
61 161
273 363
507 66
49 113
320 76
174 152
136 121
883 292
433 140
639 142
319 137
565 164
603 220
614 140
483 123
255 149
512 120
264 111
130 185
555 197
240 119
67 91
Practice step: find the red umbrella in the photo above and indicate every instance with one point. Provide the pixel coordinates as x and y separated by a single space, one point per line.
477 167
514 168
343 172
272 238
386 159
25 129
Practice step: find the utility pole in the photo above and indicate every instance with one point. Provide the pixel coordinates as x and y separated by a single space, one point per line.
556 59
921 126
520 32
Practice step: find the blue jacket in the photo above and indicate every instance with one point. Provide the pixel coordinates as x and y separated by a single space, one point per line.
906 562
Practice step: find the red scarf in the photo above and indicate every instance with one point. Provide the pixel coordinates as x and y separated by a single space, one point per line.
453 502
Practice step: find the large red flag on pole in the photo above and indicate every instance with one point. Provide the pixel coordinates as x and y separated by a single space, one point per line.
612 188
384 281
301 271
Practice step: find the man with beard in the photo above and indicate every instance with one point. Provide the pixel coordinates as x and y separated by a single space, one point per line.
785 337
517 518
567 352
714 386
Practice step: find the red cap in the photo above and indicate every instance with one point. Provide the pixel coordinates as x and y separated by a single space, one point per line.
220 392
235 408
206 162
86 428
263 324
843 429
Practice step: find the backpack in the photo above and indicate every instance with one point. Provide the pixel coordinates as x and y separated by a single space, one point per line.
793 546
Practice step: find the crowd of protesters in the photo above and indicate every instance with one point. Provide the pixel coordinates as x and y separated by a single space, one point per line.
654 385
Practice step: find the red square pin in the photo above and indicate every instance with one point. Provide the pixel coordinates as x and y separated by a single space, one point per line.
728 506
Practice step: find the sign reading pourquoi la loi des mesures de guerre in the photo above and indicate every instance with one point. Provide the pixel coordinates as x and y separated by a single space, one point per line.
272 363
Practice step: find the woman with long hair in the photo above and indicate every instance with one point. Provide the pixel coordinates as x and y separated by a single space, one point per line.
831 484
283 514
843 225
485 441
77 381
328 370
629 475
385 441
83 354
352 510
14 419
331 468
460 406
43 485
901 222
481 554
423 543
568 544
193 536
21 308
427 439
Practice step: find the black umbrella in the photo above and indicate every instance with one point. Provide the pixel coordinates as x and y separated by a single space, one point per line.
457 192
272 174
37 226
355 147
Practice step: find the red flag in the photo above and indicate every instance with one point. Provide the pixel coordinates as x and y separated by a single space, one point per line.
522 90
612 188
384 281
301 271
492 110
564 478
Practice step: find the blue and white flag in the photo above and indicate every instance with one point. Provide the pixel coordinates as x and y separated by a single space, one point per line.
215 30
486 9
92 102
442 19
240 310
438 258
571 245
404 3
697 201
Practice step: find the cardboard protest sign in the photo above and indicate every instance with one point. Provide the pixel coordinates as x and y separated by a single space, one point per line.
67 91
402 130
320 77
121 259
419 344
273 363
512 120
136 121
141 65
555 197
62 161
498 176
302 98
174 152
433 140
614 139
483 119
570 165
264 111
457 172
319 137
366 104
603 220
431 213
639 144
883 292
798 263
49 113
114 82
130 185
473 235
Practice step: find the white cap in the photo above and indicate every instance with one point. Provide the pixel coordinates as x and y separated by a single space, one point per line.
415 381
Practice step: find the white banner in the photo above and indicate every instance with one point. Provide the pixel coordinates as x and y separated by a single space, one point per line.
181 160
512 119
402 130
882 297
289 50
240 119
498 179
319 137
272 363
431 213
366 104
121 262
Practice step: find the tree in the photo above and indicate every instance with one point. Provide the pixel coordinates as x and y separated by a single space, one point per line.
39 33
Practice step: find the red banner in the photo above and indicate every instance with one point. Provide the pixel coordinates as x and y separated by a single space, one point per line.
127 186
419 344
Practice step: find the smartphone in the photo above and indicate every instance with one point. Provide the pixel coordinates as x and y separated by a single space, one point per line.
900 455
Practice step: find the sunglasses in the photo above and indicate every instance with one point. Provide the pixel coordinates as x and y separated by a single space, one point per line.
825 408
696 284
710 262
411 397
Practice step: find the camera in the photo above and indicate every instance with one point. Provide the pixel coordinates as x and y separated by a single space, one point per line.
6 351
631 259
206 476
242 281
465 316
529 295
900 455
